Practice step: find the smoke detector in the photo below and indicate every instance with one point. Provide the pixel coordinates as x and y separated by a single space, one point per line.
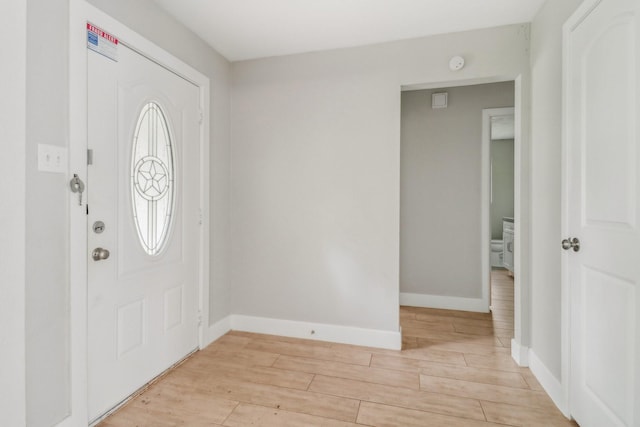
456 63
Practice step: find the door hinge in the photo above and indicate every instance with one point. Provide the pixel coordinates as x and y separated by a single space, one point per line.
200 217
200 116
90 156
199 318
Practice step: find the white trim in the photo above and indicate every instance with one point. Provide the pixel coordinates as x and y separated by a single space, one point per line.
217 330
565 302
519 353
78 220
448 303
79 13
318 331
297 329
205 226
521 212
549 382
485 196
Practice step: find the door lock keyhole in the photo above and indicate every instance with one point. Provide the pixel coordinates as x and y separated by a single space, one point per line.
98 227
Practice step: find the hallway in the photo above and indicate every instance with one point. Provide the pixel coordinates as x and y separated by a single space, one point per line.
455 369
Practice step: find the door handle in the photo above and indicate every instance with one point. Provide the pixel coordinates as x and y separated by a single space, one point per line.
99 254
571 243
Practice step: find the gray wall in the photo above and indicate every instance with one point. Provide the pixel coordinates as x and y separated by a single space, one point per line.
546 139
316 172
440 176
47 242
12 211
501 183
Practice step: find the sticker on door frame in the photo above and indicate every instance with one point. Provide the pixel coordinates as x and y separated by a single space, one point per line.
102 42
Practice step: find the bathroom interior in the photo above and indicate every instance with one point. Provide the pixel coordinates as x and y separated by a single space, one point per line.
502 192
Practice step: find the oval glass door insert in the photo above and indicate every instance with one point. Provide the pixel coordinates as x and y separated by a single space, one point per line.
152 178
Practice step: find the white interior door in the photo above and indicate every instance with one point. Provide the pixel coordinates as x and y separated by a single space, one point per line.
143 185
602 77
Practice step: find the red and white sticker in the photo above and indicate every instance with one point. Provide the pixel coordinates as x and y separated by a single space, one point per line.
102 42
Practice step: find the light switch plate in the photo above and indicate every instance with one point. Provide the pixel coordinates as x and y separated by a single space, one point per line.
52 158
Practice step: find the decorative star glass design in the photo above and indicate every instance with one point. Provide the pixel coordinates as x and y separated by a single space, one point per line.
152 178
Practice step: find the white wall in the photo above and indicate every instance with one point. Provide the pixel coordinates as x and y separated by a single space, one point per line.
440 194
47 278
546 109
146 18
12 212
316 171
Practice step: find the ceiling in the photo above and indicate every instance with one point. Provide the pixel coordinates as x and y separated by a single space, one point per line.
248 29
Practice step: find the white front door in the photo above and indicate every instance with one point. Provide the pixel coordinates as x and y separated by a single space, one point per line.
143 208
602 78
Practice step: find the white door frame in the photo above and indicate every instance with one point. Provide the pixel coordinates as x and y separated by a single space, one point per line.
485 213
522 208
81 13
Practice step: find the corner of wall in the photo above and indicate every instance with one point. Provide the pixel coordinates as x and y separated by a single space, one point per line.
215 331
526 357
549 382
519 353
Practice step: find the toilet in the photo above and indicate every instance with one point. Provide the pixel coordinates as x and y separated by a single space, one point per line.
496 253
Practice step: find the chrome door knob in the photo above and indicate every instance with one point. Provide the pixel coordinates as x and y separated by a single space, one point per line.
571 243
99 254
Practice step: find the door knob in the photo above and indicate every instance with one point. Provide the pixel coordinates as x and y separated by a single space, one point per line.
99 254
571 243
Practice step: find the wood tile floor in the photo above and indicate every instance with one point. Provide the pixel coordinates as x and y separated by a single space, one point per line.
454 370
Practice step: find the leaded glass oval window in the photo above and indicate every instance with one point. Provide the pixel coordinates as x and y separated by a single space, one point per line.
152 178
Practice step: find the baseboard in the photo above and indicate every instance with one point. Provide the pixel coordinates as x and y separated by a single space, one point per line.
71 421
448 303
215 331
318 331
549 382
519 353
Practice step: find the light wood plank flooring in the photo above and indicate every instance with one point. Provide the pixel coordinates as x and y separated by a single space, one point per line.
454 370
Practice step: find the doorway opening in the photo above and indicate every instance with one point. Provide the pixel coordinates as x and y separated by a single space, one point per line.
445 198
499 133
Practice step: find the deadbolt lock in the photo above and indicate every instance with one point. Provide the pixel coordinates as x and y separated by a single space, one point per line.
98 227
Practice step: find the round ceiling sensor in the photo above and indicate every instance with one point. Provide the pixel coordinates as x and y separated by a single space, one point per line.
456 63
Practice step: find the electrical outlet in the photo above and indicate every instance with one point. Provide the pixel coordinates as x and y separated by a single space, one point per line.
52 158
